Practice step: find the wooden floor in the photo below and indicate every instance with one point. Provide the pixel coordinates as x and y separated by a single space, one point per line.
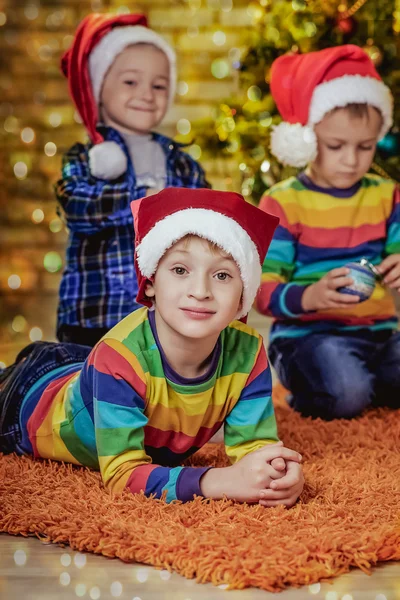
32 570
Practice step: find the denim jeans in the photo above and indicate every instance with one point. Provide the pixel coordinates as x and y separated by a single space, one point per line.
337 376
31 364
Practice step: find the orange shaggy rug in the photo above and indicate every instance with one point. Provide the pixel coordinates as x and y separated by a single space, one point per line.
348 515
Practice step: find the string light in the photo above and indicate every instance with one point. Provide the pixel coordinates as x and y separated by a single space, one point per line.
50 149
55 225
219 38
37 215
11 125
20 558
27 135
164 575
220 68
14 282
80 560
65 560
142 575
314 588
65 578
194 151
19 323
35 334
80 590
265 166
254 93
182 88
95 593
116 589
31 12
55 119
183 126
3 19
20 170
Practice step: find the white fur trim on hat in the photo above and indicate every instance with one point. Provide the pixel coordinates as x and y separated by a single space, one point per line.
113 43
352 89
210 225
107 160
293 144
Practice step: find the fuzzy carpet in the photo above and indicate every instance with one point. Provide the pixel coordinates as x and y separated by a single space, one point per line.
348 515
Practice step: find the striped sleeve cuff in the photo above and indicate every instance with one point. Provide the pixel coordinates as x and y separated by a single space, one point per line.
188 483
290 300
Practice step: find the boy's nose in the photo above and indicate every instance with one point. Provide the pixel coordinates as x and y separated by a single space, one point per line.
148 93
199 288
351 157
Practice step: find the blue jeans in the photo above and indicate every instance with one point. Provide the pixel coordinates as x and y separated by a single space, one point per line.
338 376
31 364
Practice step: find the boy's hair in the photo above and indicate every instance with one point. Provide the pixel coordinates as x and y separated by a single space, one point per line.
214 248
357 110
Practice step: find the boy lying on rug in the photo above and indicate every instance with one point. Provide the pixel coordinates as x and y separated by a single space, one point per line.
159 384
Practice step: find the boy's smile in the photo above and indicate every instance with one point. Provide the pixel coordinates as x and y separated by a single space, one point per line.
134 97
346 147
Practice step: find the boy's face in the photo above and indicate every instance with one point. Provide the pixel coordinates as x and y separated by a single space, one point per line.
134 96
197 289
346 147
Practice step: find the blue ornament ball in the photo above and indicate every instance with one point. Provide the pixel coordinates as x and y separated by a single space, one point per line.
364 278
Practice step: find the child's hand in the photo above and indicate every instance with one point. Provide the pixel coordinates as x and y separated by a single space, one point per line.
390 269
279 466
244 480
324 294
286 490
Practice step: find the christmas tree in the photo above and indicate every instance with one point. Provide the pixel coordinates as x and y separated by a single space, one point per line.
242 125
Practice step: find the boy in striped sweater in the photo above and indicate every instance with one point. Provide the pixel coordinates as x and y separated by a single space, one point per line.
158 385
336 355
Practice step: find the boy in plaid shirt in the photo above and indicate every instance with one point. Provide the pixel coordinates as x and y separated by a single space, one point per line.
122 78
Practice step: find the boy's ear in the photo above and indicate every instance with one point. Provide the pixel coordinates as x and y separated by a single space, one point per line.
149 289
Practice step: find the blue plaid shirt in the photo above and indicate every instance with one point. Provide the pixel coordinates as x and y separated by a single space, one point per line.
99 285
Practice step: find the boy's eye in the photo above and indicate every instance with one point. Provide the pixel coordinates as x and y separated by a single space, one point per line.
223 276
130 82
179 270
160 87
334 147
366 148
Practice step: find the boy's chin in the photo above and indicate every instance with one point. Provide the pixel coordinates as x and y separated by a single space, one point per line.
344 184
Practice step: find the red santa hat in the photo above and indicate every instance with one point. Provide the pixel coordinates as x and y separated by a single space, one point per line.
99 39
306 87
224 218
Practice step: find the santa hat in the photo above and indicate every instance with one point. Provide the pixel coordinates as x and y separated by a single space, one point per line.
306 87
99 39
224 218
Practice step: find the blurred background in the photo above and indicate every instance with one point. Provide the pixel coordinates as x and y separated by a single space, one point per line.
223 112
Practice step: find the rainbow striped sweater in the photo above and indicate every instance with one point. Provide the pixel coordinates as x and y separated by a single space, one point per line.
126 413
320 230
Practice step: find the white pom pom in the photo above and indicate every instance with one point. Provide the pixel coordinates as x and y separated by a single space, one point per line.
107 160
294 144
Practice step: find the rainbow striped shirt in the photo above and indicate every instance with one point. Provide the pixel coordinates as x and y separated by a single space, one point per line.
322 229
128 414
